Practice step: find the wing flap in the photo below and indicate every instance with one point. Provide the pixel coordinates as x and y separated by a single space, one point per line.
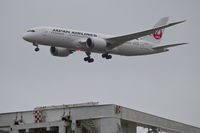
116 41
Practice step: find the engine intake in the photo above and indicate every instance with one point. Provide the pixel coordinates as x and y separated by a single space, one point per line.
90 43
96 43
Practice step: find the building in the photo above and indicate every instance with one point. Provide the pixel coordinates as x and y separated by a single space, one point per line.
88 118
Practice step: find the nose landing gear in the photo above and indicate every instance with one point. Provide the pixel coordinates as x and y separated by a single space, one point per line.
36 49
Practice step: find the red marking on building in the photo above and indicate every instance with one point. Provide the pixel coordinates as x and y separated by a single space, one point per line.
38 116
117 109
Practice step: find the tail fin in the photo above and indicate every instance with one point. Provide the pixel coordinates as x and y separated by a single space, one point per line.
157 35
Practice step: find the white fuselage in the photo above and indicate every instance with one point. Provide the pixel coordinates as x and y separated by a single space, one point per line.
74 40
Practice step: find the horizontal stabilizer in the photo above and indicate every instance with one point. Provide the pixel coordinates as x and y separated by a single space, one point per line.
167 46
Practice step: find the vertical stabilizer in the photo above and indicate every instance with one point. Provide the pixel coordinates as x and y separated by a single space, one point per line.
157 35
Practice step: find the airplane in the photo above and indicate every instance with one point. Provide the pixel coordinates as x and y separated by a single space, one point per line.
64 42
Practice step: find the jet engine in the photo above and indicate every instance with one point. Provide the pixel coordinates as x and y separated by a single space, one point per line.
62 52
96 43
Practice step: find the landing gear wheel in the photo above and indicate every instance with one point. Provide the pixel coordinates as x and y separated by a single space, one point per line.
109 57
90 60
103 55
37 49
86 59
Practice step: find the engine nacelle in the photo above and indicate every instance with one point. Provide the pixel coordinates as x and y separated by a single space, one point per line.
96 43
62 52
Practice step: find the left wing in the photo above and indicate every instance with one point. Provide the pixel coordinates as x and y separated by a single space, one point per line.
116 41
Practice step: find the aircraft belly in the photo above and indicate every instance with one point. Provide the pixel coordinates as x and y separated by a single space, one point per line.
131 50
127 50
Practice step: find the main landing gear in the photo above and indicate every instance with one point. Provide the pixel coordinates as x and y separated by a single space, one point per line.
36 49
88 58
107 56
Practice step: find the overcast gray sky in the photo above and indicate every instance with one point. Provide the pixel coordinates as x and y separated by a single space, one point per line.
167 84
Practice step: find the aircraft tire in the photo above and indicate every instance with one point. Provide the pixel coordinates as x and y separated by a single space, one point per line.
91 60
86 59
109 57
37 49
103 55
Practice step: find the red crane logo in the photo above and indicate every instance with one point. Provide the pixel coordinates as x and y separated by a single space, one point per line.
158 34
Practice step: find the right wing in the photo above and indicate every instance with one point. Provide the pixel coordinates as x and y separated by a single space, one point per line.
119 40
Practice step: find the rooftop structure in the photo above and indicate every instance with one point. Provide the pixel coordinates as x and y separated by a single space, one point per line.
88 118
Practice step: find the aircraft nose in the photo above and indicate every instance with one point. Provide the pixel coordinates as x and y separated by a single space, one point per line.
26 37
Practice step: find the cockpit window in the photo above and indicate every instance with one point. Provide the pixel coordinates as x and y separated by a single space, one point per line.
31 31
